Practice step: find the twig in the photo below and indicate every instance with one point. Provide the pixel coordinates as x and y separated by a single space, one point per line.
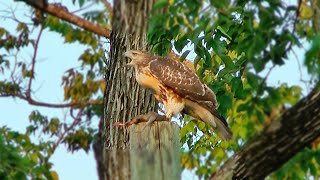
84 7
295 21
264 79
62 135
31 101
10 11
107 4
13 79
268 73
300 71
204 9
33 62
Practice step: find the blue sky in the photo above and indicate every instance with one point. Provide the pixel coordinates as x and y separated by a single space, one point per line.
54 59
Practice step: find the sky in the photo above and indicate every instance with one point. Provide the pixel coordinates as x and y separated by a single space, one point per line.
54 58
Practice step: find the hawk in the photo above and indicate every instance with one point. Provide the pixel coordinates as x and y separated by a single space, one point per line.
178 88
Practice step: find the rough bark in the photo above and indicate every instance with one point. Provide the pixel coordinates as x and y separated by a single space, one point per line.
123 99
61 12
284 138
154 151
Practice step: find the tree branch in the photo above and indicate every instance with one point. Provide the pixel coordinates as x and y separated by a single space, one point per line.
33 63
279 142
31 101
62 13
63 134
107 4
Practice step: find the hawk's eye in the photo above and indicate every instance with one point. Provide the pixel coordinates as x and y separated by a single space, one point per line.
134 54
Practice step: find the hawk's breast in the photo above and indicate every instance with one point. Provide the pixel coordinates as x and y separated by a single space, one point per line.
173 103
146 79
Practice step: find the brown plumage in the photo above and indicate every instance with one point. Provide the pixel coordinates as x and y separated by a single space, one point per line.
178 88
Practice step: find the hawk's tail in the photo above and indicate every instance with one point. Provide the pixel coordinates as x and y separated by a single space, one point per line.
221 128
219 124
210 116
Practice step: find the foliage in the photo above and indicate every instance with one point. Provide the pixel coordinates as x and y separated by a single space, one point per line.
22 159
82 86
237 44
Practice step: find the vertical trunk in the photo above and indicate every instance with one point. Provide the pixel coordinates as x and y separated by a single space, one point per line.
124 99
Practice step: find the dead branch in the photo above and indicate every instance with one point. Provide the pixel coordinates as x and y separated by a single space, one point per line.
61 12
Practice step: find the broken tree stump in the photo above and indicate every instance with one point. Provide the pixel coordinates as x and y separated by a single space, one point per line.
154 151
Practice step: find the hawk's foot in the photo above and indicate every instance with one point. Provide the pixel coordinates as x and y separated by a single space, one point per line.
149 117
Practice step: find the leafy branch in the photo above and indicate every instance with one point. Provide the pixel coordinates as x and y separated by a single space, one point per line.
293 131
62 135
14 90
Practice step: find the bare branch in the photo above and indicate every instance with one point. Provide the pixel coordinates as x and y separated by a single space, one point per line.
306 83
33 62
62 13
31 101
62 135
83 8
108 6
75 122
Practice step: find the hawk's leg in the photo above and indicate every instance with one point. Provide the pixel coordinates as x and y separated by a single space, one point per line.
149 117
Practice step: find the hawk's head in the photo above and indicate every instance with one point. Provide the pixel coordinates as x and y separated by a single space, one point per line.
137 57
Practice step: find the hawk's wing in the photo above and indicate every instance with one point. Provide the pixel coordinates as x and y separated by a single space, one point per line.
181 79
187 84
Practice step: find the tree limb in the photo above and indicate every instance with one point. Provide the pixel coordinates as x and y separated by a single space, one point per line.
62 13
31 101
278 143
33 64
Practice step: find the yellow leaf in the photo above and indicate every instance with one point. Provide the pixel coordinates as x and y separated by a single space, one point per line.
66 92
54 175
232 54
305 11
34 157
103 84
255 24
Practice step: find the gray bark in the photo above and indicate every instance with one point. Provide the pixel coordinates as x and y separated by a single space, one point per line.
123 99
154 151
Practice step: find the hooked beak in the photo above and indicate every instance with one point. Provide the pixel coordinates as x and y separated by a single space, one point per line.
129 64
128 55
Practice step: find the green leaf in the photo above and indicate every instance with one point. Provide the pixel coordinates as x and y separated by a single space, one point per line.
81 2
184 55
224 33
242 107
160 4
225 102
312 59
253 80
236 83
180 44
317 156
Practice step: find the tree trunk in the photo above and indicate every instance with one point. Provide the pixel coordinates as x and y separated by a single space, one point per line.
154 151
123 99
285 137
